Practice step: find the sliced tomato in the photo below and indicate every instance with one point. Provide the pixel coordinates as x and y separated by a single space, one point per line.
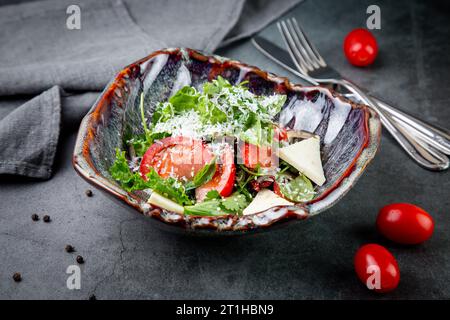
253 155
280 134
223 179
181 157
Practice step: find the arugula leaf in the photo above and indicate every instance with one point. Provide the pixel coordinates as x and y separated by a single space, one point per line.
257 173
163 112
140 144
242 179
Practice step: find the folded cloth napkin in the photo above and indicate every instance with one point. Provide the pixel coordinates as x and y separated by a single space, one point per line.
61 71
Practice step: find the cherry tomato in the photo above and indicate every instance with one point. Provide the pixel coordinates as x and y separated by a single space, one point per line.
360 47
377 268
223 179
280 134
176 156
405 223
253 155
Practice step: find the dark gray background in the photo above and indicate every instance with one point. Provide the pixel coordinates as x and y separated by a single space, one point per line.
127 257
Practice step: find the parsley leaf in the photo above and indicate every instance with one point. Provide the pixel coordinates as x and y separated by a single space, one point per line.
235 203
214 205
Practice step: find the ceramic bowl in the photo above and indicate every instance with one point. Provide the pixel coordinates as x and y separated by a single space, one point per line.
350 133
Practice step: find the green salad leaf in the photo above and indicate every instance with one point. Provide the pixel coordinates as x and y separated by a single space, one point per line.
140 143
168 187
212 194
217 108
205 208
215 205
132 181
121 172
235 203
205 174
297 189
220 102
185 99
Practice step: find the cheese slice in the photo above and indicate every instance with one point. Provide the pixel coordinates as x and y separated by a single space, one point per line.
265 199
305 157
164 203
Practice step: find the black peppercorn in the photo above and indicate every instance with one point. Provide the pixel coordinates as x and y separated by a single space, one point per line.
34 217
17 277
80 259
69 248
46 218
89 193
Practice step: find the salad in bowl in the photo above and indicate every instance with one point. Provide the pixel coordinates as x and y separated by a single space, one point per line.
207 144
219 151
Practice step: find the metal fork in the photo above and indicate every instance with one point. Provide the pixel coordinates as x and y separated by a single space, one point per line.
410 134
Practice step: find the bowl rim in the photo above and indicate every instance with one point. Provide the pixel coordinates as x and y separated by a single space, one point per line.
84 166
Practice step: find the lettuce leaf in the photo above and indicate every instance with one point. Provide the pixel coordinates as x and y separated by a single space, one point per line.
132 181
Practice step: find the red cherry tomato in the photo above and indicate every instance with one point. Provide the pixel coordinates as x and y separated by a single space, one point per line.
176 156
253 155
280 134
405 223
360 47
223 179
377 268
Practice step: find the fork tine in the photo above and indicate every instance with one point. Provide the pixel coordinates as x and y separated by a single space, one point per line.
292 49
303 47
310 46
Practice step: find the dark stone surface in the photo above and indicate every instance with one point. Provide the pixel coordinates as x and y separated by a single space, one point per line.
127 257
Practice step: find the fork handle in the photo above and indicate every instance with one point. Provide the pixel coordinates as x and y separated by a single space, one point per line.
437 137
415 147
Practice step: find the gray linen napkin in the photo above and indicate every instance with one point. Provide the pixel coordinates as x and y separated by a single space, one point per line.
63 70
